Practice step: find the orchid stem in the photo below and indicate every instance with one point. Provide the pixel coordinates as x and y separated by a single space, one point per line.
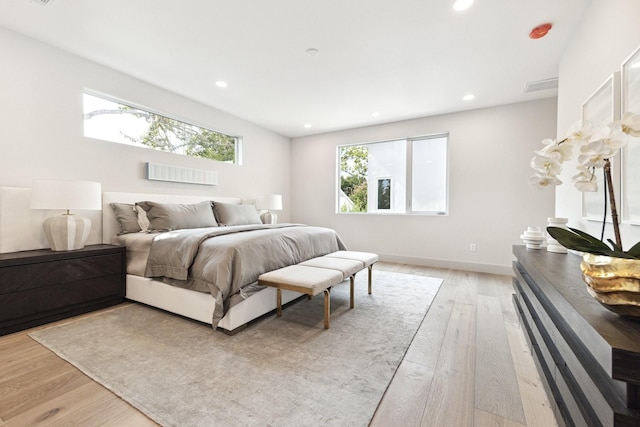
606 204
612 203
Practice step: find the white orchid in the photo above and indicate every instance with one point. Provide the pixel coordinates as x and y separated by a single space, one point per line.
594 156
596 146
546 165
579 132
584 179
630 124
559 151
604 143
542 181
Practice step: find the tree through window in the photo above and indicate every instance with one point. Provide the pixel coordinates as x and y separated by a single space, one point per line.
118 122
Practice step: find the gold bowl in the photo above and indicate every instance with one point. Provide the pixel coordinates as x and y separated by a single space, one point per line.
614 282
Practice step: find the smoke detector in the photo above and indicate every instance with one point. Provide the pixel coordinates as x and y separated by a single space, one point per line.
540 31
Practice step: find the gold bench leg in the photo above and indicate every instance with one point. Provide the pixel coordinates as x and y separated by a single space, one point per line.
279 301
352 282
370 273
327 307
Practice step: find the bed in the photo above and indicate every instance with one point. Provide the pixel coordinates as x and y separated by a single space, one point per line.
182 269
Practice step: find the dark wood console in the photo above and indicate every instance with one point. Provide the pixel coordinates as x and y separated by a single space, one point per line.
42 286
588 356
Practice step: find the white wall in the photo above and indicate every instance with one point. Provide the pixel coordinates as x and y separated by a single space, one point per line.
490 201
42 123
607 34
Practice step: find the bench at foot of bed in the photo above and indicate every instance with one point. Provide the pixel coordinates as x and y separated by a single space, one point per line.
367 258
306 280
318 275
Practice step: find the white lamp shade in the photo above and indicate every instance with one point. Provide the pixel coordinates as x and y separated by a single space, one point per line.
65 195
271 202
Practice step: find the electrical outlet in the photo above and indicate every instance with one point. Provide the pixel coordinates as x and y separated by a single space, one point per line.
472 247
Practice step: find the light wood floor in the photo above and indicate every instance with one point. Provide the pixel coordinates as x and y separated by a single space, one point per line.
467 366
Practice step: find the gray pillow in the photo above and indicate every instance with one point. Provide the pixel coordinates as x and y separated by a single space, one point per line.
170 216
127 216
233 214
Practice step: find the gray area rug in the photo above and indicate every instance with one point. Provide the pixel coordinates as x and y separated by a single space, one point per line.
286 371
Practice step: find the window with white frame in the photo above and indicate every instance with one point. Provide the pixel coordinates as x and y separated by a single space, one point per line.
119 122
399 176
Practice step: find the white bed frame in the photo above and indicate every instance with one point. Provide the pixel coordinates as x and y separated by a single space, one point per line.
191 304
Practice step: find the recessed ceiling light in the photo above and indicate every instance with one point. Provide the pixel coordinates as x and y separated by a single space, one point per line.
220 83
375 114
468 97
307 125
460 5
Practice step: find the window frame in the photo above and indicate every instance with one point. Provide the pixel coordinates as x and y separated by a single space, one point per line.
408 178
111 98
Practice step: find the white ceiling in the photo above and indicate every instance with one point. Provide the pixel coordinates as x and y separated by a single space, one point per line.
401 58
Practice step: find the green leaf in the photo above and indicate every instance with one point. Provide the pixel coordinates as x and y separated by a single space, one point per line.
614 245
577 240
635 251
589 237
580 241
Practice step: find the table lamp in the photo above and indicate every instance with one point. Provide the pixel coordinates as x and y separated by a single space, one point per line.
272 202
66 232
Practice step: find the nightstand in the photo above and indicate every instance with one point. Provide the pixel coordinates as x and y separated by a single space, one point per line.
42 286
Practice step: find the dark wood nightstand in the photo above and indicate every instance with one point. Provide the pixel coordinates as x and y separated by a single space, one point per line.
42 286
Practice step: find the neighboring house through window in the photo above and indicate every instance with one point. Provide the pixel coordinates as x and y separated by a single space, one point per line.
399 176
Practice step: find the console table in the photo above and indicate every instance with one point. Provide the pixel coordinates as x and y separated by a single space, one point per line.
588 357
41 286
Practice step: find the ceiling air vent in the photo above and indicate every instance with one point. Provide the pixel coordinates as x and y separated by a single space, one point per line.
541 85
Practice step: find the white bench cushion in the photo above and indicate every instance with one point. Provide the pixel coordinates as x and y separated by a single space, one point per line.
301 278
367 258
348 267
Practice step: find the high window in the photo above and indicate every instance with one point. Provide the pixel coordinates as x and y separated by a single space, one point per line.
400 176
119 122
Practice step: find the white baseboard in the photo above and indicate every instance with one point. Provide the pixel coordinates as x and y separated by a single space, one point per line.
450 264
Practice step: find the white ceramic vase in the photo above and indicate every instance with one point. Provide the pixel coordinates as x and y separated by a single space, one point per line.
552 244
533 238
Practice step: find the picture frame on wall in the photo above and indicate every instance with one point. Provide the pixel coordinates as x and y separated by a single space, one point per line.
601 108
630 155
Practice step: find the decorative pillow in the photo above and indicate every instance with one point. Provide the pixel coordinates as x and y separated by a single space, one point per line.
127 216
233 214
169 216
143 221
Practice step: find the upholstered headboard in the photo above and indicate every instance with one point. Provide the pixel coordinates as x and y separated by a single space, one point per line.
110 225
21 227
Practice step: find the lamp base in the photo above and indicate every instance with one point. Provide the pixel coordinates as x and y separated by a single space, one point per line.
67 232
268 218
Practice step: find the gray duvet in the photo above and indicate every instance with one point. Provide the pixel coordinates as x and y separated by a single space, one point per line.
224 260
